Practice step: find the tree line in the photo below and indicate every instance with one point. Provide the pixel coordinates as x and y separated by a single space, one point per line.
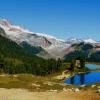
14 59
42 68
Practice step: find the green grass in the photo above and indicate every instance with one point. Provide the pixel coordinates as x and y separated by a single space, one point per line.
24 81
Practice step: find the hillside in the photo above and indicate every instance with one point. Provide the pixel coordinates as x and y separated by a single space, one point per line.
42 44
49 45
37 50
15 59
90 51
13 55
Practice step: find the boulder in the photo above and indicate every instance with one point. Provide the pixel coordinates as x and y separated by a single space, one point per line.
76 90
93 86
64 89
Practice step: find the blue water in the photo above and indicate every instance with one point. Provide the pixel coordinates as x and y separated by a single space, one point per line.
84 79
93 66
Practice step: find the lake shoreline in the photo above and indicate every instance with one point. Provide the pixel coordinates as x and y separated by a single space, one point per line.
43 87
76 77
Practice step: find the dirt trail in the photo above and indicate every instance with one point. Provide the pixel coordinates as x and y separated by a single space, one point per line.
20 94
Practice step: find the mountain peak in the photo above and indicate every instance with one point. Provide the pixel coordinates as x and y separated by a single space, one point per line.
73 40
89 40
10 28
5 22
14 30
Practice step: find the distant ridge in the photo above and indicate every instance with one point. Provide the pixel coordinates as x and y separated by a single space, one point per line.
51 47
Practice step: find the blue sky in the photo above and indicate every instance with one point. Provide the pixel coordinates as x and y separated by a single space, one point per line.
60 18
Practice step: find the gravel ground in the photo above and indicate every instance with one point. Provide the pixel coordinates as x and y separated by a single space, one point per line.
21 94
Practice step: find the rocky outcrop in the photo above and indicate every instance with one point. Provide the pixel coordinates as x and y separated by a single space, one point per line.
2 32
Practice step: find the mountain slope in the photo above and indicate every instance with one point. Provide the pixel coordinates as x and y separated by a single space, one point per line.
90 51
10 49
2 32
14 59
48 43
41 44
39 51
20 34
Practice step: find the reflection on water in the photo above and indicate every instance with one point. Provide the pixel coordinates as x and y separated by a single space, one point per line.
81 79
72 80
85 78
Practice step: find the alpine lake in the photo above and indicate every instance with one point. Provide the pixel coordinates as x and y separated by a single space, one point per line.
85 78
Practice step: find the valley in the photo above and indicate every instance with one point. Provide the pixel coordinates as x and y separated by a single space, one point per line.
39 64
49 49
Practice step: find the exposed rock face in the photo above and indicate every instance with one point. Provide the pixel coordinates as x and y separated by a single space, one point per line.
52 47
2 32
50 44
5 23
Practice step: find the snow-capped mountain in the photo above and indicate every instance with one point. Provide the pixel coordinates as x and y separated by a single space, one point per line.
76 40
89 40
73 40
54 47
18 34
